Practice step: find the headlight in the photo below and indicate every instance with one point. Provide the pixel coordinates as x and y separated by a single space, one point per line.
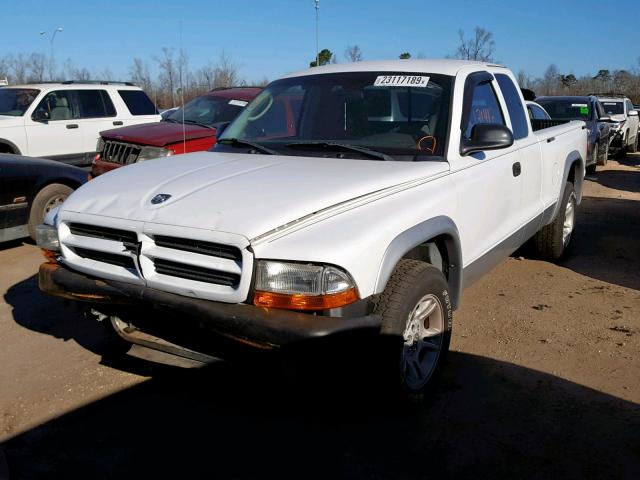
100 145
298 286
148 153
47 240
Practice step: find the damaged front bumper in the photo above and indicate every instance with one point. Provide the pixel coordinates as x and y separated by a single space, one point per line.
248 324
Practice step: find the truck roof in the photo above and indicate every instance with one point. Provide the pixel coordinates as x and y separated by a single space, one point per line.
441 66
78 85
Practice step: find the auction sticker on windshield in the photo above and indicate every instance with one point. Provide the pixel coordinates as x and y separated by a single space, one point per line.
238 103
401 81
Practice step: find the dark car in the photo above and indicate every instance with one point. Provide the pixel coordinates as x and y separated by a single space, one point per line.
29 188
191 128
589 110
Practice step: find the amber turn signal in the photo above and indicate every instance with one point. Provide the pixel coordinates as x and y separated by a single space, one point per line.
49 255
305 302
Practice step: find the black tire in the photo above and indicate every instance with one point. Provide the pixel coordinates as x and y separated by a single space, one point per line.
602 159
591 168
50 196
634 148
550 241
410 284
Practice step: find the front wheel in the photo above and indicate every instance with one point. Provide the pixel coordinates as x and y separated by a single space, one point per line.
552 240
416 326
48 198
602 159
633 148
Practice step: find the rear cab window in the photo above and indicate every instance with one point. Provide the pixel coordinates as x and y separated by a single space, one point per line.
138 102
514 106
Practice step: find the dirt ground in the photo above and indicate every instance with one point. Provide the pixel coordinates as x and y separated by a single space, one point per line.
543 381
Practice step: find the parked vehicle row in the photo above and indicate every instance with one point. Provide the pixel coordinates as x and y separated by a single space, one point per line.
188 129
63 121
364 195
625 123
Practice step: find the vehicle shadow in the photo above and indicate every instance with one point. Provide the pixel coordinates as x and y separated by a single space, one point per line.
624 180
486 418
62 319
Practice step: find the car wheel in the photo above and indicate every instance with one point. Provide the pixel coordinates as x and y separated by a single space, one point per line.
591 168
552 241
634 147
416 326
48 198
602 159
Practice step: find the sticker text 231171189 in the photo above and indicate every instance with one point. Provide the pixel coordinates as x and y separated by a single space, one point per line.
401 81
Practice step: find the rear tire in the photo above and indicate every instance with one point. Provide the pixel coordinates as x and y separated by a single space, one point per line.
552 241
634 148
602 159
416 327
591 169
49 197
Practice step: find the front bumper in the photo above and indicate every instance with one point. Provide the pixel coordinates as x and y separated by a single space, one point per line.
247 324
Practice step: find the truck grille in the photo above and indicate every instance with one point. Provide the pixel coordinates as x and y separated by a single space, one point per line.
105 233
110 258
197 246
197 264
199 274
120 152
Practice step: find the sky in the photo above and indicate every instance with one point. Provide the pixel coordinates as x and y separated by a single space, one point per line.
269 38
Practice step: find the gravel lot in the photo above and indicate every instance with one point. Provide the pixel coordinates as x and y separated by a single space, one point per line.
543 381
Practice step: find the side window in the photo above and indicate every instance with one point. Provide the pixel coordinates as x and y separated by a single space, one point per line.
94 104
629 106
137 102
514 106
485 108
538 113
57 105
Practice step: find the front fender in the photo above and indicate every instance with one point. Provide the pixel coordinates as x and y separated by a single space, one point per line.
441 226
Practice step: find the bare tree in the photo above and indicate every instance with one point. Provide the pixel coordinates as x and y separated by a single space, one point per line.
140 76
37 67
19 65
353 53
480 47
523 79
168 76
226 73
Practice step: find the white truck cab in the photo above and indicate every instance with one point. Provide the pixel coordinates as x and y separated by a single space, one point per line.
62 121
364 195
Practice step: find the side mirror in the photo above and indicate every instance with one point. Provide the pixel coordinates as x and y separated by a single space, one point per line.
220 127
40 116
605 118
633 113
486 136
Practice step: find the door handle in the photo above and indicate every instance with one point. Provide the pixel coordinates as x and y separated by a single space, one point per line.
72 125
516 168
550 139
117 122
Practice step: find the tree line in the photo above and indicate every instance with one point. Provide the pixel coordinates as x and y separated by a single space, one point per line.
169 78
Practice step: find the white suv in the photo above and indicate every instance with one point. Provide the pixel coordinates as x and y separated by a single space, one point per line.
624 128
63 121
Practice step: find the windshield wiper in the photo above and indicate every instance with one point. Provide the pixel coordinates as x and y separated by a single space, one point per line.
168 119
342 146
194 122
236 142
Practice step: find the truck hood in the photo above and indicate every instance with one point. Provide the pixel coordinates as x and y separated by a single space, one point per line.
239 193
619 118
158 134
10 121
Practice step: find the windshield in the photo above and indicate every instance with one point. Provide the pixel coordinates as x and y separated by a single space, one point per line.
15 101
613 108
393 113
208 110
566 109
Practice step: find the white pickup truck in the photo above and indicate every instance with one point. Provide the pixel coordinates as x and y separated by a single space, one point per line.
365 195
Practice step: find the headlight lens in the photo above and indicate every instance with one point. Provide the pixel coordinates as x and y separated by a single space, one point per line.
47 238
149 153
100 145
302 286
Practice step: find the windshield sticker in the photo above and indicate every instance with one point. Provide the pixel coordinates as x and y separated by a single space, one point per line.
401 81
584 110
579 105
238 103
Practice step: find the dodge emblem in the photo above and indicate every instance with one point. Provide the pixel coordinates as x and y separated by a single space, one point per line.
160 198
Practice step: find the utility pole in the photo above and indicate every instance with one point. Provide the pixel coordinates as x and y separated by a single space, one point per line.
317 44
51 58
